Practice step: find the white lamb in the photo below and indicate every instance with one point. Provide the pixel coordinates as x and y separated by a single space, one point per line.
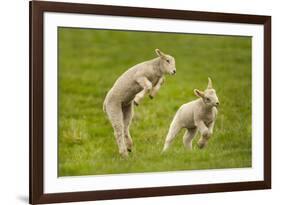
196 115
131 87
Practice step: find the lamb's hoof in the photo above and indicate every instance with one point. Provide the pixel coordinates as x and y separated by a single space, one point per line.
151 97
188 149
135 103
201 145
124 155
164 150
129 150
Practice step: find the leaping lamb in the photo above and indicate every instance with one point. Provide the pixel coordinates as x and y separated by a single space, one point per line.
131 87
196 115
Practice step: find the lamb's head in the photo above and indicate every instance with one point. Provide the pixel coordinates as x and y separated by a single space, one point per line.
209 96
167 64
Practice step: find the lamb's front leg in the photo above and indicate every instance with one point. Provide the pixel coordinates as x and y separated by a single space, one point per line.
205 134
210 128
146 85
139 97
156 88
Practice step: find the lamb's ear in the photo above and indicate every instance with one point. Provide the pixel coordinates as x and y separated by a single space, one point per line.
159 53
210 84
199 93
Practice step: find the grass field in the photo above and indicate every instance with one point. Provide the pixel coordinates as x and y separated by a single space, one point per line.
91 60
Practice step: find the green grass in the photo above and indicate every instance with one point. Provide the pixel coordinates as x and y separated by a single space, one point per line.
91 60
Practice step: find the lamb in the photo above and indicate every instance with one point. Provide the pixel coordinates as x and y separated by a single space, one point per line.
196 115
131 87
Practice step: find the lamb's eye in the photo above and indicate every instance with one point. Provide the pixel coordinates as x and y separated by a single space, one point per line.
208 99
168 61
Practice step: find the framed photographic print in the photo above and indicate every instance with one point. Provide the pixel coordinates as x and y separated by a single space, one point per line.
135 102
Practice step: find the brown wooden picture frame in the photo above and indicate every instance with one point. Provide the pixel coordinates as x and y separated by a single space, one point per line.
37 9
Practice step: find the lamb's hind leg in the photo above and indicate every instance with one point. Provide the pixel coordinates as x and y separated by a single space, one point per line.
188 137
173 131
115 115
128 113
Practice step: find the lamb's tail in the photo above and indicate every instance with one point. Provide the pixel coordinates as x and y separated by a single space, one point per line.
104 106
106 100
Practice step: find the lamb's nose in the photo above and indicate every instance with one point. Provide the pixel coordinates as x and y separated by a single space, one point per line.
217 103
174 72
